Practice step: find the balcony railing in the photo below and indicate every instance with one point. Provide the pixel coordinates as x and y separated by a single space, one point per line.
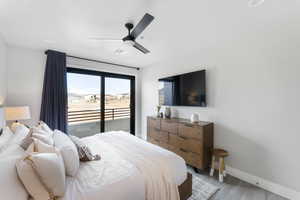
81 116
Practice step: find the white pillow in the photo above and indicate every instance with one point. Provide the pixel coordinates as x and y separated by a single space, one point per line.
17 137
68 151
31 180
44 127
4 138
11 187
14 125
41 147
48 139
43 172
14 150
43 133
20 133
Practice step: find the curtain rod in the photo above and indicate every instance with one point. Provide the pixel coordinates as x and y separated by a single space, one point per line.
103 62
100 61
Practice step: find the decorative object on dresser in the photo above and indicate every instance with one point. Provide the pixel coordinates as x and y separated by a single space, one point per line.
192 141
167 112
194 118
158 111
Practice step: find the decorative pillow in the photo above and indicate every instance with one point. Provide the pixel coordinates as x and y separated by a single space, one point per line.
44 138
43 133
68 151
27 140
14 150
43 175
42 125
11 187
84 152
31 149
14 126
5 137
43 128
20 133
42 147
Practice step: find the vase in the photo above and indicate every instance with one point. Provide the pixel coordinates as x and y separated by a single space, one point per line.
194 118
168 112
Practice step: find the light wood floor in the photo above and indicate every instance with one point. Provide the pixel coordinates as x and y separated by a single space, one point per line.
235 189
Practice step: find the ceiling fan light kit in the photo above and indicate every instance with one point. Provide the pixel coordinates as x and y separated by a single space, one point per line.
130 39
255 3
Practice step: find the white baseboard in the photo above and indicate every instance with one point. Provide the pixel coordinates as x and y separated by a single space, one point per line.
265 184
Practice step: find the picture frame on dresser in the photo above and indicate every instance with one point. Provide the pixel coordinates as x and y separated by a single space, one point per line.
194 142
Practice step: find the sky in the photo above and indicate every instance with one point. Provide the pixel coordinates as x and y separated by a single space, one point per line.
88 84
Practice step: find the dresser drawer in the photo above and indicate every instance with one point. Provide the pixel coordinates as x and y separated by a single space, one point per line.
161 144
172 148
153 141
161 136
169 126
190 145
190 158
165 145
175 140
190 131
153 123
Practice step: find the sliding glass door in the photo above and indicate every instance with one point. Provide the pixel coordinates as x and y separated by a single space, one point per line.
117 104
100 102
84 105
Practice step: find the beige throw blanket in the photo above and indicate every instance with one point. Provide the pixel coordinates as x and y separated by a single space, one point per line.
159 183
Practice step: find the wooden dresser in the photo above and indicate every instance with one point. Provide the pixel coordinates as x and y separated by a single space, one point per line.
192 141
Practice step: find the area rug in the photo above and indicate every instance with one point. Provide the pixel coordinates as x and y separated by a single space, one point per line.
202 190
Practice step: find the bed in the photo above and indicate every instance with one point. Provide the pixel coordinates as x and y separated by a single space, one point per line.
129 169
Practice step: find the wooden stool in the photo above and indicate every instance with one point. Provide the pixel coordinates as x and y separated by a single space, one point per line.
221 154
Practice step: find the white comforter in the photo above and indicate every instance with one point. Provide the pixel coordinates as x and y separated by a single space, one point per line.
130 168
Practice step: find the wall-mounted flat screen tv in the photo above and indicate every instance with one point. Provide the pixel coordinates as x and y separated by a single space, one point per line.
183 90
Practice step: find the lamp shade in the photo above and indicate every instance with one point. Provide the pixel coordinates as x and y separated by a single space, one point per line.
17 113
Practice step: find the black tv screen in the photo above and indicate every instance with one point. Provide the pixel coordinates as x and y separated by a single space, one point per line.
183 90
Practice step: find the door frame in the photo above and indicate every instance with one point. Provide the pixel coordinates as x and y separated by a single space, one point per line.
103 75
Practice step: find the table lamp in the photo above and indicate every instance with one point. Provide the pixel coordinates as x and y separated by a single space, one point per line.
15 114
2 119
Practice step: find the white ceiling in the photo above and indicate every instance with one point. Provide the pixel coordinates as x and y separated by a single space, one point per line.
180 27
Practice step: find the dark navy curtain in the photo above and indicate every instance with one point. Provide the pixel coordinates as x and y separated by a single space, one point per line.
54 99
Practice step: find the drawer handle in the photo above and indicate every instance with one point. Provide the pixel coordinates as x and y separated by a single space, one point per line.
188 125
182 137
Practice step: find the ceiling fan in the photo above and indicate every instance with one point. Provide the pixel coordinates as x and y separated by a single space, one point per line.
133 34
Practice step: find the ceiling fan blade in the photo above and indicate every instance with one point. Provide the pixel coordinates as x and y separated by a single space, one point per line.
141 48
106 39
142 25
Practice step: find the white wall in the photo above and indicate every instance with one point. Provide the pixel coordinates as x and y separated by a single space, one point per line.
26 73
253 99
25 79
3 67
3 80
